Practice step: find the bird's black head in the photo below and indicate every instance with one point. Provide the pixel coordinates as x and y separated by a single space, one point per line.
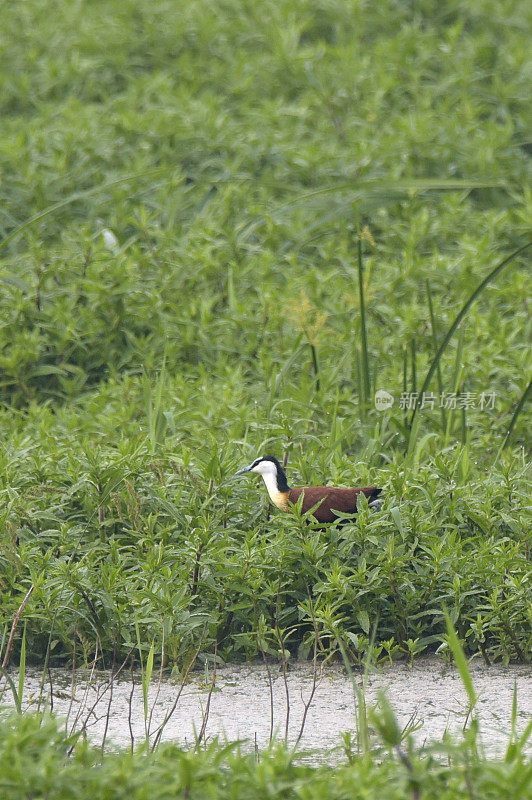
268 465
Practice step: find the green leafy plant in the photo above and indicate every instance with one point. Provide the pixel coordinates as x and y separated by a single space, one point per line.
181 290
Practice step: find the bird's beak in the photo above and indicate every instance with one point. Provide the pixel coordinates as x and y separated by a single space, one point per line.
242 471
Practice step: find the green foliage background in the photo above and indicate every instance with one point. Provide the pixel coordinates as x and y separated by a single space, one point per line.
182 188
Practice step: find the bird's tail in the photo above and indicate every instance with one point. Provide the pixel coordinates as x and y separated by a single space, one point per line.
374 501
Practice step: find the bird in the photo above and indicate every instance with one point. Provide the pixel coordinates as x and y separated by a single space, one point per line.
331 499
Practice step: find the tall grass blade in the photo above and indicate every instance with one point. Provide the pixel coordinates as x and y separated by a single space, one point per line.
360 385
4 637
363 732
464 425
457 377
519 408
460 660
11 684
392 188
435 346
156 420
315 365
523 739
365 356
412 438
139 648
516 745
405 378
414 366
461 314
146 678
360 705
22 665
510 750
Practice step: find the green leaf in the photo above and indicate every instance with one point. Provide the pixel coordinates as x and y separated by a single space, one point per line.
460 660
363 619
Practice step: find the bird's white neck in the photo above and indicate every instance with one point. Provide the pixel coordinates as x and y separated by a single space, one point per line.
279 499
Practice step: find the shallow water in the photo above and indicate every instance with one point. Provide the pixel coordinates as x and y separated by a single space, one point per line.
240 706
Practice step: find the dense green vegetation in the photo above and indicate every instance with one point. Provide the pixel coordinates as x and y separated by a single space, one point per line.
39 760
184 189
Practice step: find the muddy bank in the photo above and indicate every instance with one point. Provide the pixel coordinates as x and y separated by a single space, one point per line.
240 707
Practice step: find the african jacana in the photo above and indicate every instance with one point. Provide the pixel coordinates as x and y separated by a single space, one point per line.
330 498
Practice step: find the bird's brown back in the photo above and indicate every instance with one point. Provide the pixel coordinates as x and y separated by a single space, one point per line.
332 499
